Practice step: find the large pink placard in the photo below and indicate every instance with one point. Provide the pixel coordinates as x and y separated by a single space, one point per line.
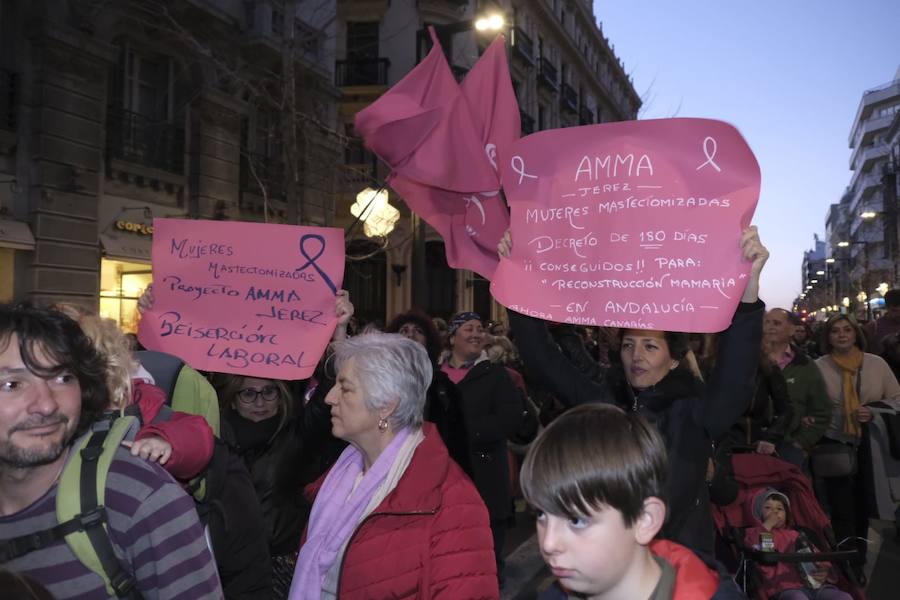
246 298
633 224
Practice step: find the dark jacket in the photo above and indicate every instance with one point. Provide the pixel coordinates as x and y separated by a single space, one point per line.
770 414
809 398
283 461
443 407
493 409
234 517
688 414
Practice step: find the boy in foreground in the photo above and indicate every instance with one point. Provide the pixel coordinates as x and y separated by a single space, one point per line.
595 477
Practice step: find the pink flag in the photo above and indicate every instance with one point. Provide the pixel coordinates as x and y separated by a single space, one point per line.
421 128
471 223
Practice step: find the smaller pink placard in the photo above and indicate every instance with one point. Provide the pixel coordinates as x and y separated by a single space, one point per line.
251 299
634 224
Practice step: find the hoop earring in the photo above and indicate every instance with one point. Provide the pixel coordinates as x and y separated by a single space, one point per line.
382 424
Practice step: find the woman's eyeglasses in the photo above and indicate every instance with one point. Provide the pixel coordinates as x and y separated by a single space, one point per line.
249 395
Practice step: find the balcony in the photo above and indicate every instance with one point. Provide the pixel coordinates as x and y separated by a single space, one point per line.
587 116
523 45
135 138
568 99
361 71
548 75
7 100
259 171
527 122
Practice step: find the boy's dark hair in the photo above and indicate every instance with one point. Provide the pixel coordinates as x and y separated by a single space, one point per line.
592 456
65 346
854 324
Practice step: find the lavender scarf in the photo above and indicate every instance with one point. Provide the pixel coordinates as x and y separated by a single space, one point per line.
336 513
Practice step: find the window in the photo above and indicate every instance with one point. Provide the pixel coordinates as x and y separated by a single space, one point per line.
366 280
441 281
542 118
147 85
362 40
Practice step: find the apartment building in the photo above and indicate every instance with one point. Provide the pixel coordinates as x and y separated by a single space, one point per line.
112 114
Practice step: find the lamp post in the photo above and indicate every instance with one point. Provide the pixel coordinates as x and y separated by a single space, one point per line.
487 23
864 280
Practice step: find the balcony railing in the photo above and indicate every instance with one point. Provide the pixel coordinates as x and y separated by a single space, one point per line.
136 138
523 45
527 122
361 71
7 100
548 75
587 116
569 98
266 171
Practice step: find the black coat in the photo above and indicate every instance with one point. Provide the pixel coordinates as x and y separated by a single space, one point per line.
443 407
688 414
283 461
492 406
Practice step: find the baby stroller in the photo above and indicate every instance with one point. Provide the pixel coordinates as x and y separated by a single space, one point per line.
754 473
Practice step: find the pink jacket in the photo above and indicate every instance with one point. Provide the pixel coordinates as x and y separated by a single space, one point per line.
190 436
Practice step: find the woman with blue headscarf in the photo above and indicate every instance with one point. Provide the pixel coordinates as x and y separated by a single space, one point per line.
493 410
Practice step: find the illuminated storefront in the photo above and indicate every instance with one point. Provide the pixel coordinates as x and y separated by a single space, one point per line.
14 236
126 240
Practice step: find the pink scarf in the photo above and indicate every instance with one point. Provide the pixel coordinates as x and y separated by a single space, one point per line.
335 514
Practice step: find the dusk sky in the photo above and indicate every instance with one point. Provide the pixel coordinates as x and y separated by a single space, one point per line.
789 74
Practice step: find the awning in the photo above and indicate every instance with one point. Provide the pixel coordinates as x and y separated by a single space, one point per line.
127 247
16 235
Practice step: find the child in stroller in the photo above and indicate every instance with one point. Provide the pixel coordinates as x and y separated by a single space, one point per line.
786 581
774 564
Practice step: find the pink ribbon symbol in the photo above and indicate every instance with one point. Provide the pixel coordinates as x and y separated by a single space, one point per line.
710 154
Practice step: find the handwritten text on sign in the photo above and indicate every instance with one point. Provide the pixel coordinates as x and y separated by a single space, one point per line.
634 224
246 298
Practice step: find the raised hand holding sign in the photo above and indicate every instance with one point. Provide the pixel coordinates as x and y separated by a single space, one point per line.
635 224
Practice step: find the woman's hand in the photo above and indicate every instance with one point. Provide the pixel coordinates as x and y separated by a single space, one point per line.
863 414
145 302
763 447
504 246
753 251
343 309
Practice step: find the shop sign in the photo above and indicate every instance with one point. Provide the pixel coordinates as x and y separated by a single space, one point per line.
138 228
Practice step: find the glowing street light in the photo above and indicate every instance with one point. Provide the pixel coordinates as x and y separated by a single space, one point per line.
494 22
843 244
820 272
830 260
869 214
376 213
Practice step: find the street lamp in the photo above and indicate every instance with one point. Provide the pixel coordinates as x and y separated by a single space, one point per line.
376 213
869 214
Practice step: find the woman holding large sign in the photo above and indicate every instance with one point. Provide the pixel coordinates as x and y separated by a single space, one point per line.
654 380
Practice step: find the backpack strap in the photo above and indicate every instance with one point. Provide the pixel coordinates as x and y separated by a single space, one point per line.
87 472
165 369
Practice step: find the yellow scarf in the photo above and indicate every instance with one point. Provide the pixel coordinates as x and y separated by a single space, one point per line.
850 364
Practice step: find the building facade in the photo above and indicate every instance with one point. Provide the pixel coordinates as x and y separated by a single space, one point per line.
564 73
862 229
112 114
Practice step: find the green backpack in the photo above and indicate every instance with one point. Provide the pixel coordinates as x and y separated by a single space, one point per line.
81 492
80 509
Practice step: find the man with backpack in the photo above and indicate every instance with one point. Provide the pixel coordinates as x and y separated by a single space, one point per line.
131 531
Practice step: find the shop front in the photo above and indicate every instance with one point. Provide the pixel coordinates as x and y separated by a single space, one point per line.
126 238
15 236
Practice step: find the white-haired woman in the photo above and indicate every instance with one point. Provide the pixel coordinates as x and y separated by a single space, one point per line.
395 517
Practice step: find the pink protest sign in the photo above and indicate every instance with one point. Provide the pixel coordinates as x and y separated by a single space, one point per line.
634 224
246 298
